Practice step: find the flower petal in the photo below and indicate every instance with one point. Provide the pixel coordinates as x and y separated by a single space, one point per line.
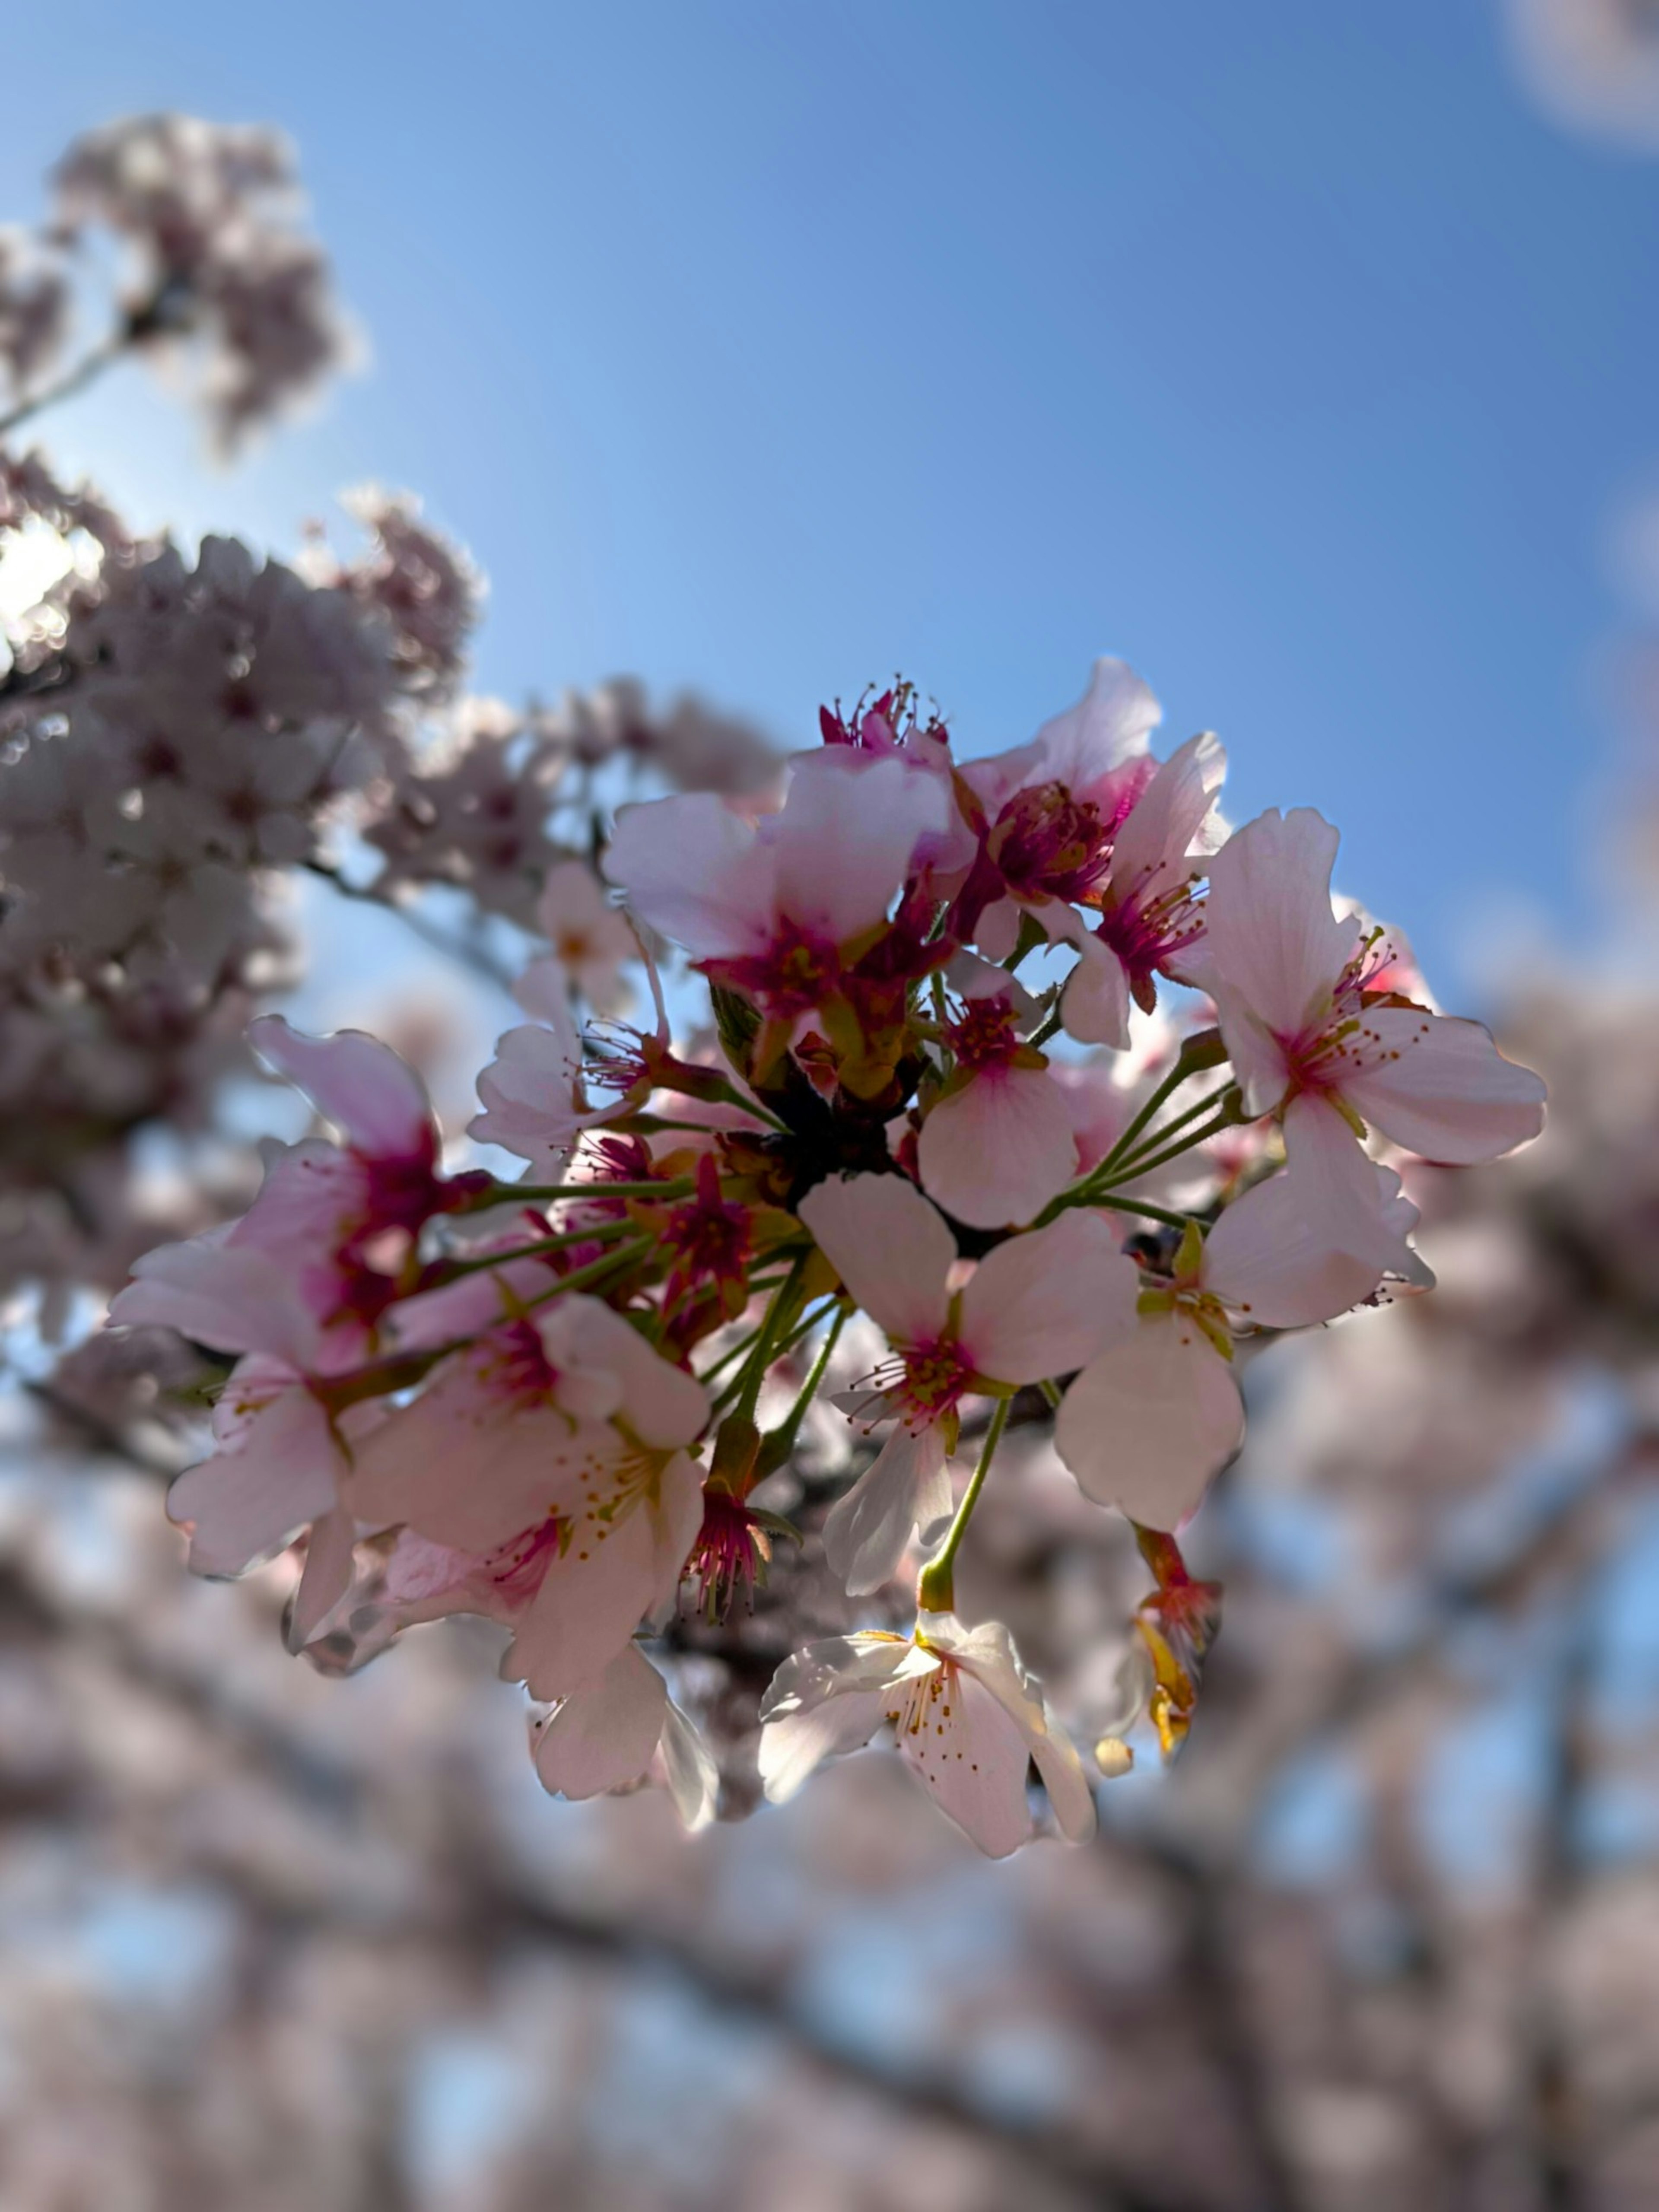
993 1153
693 869
1441 1088
1270 933
906 1488
1147 1424
890 1248
371 1095
1044 1303
605 1735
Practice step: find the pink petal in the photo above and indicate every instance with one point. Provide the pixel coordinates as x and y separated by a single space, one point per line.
604 1736
1044 1303
247 1502
993 1153
374 1098
890 1248
846 835
1276 1258
663 1405
972 1756
1109 724
1152 848
607 1577
1147 1424
1095 1003
693 869
1441 1087
1270 934
229 1299
1353 1204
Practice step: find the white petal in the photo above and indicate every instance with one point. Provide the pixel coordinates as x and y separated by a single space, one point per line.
995 1152
247 1502
1043 1303
1147 1425
794 1745
868 1532
1442 1088
688 1772
604 1736
890 1248
1270 933
973 1759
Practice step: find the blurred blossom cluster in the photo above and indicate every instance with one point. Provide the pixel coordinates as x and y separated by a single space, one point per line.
914 1167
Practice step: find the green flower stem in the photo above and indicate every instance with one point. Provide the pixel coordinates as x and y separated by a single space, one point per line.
936 1590
582 1278
1227 1119
1163 1213
780 1442
1120 1164
765 1345
1199 1054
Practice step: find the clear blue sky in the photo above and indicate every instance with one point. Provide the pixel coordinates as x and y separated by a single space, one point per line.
1286 349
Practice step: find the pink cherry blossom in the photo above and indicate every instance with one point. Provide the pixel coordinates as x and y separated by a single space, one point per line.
997 1145
1295 997
780 907
591 939
566 1415
1039 1305
969 1721
1157 1412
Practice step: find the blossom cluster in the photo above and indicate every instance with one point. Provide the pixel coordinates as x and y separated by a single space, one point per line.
1024 1084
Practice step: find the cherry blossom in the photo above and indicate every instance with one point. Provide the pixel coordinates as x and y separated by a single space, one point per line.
1156 1413
566 1415
1292 984
969 1721
1039 1305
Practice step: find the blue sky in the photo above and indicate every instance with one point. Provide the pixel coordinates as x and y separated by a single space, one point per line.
1288 351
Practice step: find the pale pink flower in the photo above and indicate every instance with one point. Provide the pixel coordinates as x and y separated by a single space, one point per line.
591 939
1294 994
1150 921
295 1287
622 1729
535 1103
780 907
1156 1413
566 1415
1039 1305
969 1721
1047 812
997 1144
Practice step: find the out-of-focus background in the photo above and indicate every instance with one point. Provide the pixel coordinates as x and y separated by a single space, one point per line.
1310 356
